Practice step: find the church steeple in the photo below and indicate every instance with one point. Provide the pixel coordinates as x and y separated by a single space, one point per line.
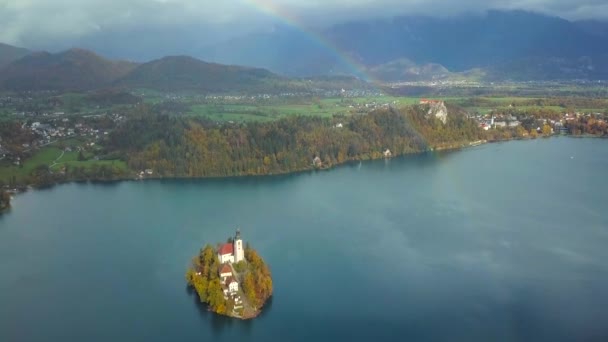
239 253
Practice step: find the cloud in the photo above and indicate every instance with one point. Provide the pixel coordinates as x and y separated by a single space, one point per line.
45 22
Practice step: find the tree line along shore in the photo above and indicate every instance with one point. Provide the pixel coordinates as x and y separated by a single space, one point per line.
148 144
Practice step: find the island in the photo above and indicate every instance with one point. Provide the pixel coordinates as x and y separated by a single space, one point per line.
232 279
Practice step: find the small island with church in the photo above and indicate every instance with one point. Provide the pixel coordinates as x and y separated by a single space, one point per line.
231 278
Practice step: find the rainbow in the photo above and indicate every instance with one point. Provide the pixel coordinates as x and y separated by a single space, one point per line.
270 8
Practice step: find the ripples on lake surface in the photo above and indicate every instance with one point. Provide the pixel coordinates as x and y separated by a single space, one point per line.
498 242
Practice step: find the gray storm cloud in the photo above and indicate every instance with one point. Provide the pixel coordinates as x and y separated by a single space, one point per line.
42 22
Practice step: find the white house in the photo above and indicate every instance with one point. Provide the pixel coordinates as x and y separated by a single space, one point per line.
233 285
230 286
232 252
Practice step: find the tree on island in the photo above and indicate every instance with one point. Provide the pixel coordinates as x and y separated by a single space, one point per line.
204 277
257 283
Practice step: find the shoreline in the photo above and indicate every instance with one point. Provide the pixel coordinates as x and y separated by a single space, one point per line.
451 147
24 188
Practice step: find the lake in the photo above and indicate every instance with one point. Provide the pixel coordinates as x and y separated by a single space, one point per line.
499 242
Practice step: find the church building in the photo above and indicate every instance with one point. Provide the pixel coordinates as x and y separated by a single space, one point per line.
232 252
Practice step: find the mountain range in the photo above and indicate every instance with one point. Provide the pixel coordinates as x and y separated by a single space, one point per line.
494 43
81 70
74 69
496 46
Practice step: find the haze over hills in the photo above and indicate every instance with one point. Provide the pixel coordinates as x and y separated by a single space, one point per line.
83 70
78 70
187 73
502 39
74 69
10 54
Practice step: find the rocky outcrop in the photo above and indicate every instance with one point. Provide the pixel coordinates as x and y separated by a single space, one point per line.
438 110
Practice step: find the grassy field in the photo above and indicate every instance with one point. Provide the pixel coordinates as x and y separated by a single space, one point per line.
265 112
328 107
87 164
54 158
246 112
45 156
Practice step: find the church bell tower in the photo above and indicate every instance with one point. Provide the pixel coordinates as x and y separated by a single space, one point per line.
239 253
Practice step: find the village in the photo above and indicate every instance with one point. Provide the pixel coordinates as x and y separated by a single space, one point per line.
70 133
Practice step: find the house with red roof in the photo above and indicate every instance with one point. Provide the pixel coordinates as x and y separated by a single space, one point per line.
226 253
429 101
225 272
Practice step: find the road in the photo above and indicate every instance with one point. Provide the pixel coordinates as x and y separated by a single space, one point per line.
56 160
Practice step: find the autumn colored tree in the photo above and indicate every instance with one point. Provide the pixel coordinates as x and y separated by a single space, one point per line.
257 282
203 277
533 133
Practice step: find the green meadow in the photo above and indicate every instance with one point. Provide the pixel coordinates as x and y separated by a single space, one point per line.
54 158
328 107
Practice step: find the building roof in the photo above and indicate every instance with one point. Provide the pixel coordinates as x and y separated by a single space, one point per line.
424 101
226 248
225 269
230 280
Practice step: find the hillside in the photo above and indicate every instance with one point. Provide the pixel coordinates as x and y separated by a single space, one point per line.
82 70
9 54
187 73
73 69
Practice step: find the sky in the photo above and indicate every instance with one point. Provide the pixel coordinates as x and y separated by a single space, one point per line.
57 24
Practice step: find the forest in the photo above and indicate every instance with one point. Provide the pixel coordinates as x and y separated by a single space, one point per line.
194 147
174 145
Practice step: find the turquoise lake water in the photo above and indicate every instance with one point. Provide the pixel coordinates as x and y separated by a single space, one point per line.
501 242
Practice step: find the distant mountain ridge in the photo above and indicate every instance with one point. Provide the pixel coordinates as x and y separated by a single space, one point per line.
496 46
81 70
497 39
188 73
74 69
9 54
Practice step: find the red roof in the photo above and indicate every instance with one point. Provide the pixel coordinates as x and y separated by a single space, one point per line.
226 248
423 101
226 269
